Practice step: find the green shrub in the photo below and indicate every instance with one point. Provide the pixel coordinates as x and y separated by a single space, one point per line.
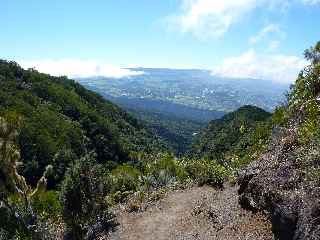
304 93
206 171
279 117
19 217
125 178
83 195
9 225
164 171
307 131
47 205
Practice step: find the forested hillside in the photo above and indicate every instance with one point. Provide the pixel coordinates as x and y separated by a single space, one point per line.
236 138
178 132
62 121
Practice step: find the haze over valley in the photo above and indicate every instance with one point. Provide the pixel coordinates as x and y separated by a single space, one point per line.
193 88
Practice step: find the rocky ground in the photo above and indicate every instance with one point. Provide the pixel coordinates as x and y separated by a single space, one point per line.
195 213
285 183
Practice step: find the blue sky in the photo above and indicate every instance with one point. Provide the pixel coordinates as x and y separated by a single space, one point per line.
237 38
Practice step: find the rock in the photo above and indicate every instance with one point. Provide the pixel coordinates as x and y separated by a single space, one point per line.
284 222
281 183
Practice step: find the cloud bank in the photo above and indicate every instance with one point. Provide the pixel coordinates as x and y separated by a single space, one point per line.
278 68
78 68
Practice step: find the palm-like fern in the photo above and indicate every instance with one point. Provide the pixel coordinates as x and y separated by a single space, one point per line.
11 182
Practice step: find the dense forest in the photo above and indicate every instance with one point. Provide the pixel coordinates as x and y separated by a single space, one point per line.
62 121
178 132
67 156
235 138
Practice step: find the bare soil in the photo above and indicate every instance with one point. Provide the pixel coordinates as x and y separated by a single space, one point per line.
195 213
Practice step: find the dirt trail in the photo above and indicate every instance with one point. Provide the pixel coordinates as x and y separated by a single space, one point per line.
196 213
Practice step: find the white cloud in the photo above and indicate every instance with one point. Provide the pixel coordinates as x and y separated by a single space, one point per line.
210 18
278 68
269 29
213 18
311 2
78 68
273 45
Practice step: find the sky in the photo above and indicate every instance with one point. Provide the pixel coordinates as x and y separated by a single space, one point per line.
262 39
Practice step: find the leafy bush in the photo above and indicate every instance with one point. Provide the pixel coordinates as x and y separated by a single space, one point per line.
303 108
47 205
16 195
279 116
206 171
9 225
125 180
83 195
163 170
307 85
310 127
